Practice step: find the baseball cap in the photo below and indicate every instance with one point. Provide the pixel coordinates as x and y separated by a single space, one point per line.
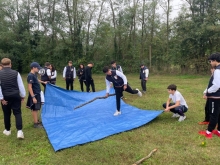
35 65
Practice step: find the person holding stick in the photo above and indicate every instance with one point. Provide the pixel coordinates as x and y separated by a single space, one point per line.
120 83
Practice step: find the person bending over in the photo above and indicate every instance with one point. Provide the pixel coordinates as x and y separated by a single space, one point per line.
119 80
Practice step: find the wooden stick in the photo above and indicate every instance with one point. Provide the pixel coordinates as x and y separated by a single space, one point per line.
146 157
93 100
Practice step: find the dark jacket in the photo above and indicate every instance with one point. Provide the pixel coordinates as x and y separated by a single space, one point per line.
45 77
88 73
142 73
217 93
69 71
81 74
116 80
8 82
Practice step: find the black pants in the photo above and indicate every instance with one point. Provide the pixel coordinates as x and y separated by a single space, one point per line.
81 84
214 108
207 110
118 93
44 85
14 104
53 82
180 109
69 83
88 83
143 85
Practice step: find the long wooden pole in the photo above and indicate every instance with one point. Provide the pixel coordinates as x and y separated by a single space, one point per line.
144 158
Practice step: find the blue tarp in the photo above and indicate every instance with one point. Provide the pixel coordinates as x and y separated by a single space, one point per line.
67 127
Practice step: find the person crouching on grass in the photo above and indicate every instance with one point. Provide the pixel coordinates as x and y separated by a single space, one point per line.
179 106
34 98
120 83
213 94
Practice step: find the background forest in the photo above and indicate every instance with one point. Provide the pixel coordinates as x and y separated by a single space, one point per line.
128 31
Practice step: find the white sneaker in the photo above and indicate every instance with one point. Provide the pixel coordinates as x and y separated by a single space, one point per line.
175 115
20 134
139 93
7 133
182 118
117 113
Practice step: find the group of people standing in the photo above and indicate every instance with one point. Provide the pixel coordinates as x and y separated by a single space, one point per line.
84 75
48 74
12 90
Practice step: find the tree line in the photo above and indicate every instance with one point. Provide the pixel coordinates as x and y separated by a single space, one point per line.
128 31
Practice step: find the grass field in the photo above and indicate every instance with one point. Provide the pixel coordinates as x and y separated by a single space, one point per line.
177 143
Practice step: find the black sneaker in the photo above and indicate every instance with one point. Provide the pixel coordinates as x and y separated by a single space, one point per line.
39 122
37 125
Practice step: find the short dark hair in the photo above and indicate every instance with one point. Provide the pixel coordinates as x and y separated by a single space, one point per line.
113 62
215 57
81 64
47 64
173 87
91 63
105 69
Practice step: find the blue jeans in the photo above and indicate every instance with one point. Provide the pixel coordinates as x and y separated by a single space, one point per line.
180 109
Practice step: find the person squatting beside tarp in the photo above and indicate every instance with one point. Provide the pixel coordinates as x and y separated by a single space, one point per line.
178 106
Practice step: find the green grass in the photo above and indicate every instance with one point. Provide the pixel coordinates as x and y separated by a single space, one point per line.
177 143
